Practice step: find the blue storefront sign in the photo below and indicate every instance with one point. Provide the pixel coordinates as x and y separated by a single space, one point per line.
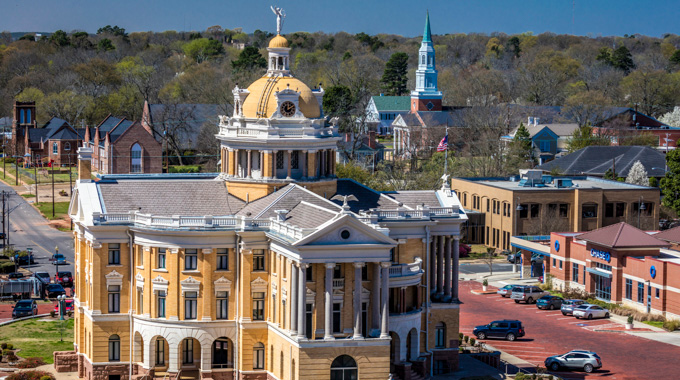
602 255
652 271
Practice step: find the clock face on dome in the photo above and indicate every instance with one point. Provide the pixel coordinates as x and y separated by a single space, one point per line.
287 109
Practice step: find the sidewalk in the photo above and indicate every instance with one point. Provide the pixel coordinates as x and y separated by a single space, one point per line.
640 329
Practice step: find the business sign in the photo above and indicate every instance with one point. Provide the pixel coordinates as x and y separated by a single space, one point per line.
602 255
557 245
652 271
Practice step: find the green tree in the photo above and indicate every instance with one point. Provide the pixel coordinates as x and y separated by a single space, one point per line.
521 150
675 58
249 59
582 137
337 101
133 71
105 44
670 184
514 46
80 40
203 49
395 77
114 31
622 59
59 38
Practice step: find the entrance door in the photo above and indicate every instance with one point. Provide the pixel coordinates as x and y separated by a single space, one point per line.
603 287
649 298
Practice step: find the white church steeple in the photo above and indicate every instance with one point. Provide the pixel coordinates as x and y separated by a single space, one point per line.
426 96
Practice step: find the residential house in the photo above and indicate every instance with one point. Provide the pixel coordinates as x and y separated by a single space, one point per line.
56 142
368 152
383 110
548 139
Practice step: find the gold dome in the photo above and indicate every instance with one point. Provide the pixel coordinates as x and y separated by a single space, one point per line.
278 42
309 106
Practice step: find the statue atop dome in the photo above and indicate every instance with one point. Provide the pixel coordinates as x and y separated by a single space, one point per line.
280 15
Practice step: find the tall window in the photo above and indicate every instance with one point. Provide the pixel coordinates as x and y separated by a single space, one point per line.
160 352
55 148
136 159
140 301
641 292
440 335
295 159
279 159
222 259
114 298
160 310
222 305
114 348
190 259
160 264
67 146
188 351
190 301
258 356
308 317
258 306
629 289
114 254
258 259
310 272
344 368
574 272
337 315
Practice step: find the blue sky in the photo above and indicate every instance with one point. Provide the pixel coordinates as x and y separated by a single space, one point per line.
591 17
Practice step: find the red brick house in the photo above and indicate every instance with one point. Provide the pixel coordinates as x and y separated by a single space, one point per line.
56 142
121 146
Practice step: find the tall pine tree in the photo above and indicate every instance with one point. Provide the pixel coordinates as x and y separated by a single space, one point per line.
394 79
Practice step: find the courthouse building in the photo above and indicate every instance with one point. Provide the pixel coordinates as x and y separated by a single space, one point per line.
272 269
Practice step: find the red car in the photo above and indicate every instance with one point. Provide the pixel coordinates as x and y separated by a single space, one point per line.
68 306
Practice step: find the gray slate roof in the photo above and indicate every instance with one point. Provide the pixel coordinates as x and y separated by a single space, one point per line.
415 198
367 197
166 197
285 198
306 215
595 160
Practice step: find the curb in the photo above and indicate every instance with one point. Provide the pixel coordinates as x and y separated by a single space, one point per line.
23 319
481 292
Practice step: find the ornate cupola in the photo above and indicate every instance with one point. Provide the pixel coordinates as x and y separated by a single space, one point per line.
277 134
426 96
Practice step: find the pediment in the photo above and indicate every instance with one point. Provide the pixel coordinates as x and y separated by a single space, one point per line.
258 285
222 284
114 275
190 281
346 230
159 280
139 278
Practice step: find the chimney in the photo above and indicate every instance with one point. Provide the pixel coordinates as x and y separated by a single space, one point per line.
84 164
536 119
530 120
371 139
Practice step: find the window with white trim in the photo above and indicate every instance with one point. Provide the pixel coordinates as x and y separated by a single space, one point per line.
191 259
190 303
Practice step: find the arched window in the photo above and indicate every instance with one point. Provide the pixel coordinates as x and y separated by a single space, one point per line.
440 335
221 358
422 59
67 146
114 348
258 356
136 159
55 148
344 368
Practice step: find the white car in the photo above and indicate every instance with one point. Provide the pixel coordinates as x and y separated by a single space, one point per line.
590 311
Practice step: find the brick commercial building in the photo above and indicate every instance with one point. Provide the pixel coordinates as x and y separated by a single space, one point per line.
619 264
538 204
272 269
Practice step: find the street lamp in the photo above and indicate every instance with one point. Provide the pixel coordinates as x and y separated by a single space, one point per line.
67 148
62 302
56 259
641 207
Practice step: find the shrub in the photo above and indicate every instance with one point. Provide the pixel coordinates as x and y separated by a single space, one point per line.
31 363
11 357
485 282
671 324
53 314
472 341
63 193
520 376
460 336
30 375
10 346
3 345
466 338
6 351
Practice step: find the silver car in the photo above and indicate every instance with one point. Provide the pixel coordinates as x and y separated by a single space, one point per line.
505 291
576 359
568 306
590 311
528 294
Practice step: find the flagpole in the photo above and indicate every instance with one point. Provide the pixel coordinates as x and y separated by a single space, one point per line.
446 152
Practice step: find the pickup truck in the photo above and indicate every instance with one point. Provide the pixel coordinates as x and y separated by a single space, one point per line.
527 293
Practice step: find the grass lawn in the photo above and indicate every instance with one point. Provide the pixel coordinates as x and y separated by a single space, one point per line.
60 209
478 251
185 169
658 324
28 195
36 337
12 172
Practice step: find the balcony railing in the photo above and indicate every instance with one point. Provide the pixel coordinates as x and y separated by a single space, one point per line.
424 213
403 270
338 283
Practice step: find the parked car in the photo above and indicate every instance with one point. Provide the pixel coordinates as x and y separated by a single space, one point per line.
68 306
64 278
514 258
568 306
58 258
576 359
505 291
549 302
23 260
43 277
15 276
54 290
589 311
506 329
527 293
24 308
536 258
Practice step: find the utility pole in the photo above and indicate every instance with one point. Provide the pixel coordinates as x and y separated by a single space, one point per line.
52 167
4 236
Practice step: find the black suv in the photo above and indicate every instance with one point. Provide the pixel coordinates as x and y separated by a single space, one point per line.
507 329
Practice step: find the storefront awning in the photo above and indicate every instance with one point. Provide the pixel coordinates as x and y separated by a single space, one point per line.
599 273
530 249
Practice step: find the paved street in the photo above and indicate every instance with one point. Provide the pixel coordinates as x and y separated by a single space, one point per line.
29 229
624 356
478 267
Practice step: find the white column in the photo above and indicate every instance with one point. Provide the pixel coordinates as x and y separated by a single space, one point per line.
249 172
433 265
440 265
357 300
302 300
148 355
375 297
290 163
384 289
293 299
173 356
206 357
456 263
328 326
447 267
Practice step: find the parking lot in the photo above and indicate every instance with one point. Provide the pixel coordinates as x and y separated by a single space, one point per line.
549 333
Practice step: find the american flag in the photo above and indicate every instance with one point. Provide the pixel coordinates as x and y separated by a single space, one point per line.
444 144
